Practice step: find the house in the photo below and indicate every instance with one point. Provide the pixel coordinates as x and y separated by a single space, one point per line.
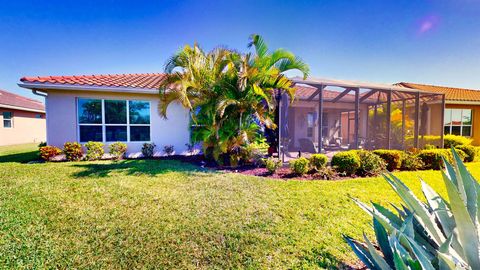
462 109
109 108
22 120
326 115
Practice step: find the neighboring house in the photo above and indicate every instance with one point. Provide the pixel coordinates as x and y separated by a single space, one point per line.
326 114
462 109
22 120
110 108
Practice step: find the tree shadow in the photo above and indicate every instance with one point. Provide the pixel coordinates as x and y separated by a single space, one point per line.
136 167
20 157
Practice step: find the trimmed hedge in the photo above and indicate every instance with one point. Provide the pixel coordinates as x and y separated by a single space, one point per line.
411 162
432 159
469 150
318 161
370 164
300 166
392 158
450 141
346 162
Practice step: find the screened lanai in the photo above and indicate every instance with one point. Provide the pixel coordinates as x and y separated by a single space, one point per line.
328 116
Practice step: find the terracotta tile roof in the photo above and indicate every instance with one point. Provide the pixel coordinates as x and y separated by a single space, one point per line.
451 93
144 81
11 99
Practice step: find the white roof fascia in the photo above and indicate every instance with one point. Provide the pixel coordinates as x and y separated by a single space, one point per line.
20 108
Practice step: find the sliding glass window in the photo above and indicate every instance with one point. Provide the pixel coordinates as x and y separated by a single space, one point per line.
113 120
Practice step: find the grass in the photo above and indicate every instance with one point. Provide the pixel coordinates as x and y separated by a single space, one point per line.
166 214
19 152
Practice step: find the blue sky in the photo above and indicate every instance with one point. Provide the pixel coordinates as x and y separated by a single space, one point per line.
435 42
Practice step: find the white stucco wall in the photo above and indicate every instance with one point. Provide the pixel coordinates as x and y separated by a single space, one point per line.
61 107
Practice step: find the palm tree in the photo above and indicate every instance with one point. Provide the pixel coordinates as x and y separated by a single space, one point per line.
229 94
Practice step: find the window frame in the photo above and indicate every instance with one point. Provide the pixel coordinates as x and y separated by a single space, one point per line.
461 125
9 119
105 125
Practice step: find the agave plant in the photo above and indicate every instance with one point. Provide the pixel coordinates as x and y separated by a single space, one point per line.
438 234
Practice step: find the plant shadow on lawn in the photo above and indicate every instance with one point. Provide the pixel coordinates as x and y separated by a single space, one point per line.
136 167
20 157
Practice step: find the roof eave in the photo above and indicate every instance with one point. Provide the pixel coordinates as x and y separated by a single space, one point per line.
76 87
21 108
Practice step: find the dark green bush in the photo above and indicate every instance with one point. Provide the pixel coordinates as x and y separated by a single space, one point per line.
94 150
300 166
318 161
370 164
272 164
432 159
450 141
392 158
148 149
411 162
346 162
469 150
73 151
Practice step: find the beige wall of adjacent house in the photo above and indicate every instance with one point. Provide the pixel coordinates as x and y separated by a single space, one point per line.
26 128
62 120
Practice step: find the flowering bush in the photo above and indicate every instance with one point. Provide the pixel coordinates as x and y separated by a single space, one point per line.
148 149
48 152
117 150
94 150
73 151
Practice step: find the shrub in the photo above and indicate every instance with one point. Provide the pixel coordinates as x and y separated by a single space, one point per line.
318 161
168 150
426 234
346 162
370 164
469 150
411 162
392 158
432 159
73 151
429 146
300 166
272 164
190 148
117 150
326 173
42 144
48 152
477 152
148 149
450 141
94 150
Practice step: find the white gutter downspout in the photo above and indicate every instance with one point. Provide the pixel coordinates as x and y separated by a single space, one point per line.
45 95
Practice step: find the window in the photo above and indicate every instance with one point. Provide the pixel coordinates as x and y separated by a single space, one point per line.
113 120
310 124
7 119
458 122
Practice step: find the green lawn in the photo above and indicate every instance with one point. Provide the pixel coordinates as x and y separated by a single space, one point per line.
165 214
